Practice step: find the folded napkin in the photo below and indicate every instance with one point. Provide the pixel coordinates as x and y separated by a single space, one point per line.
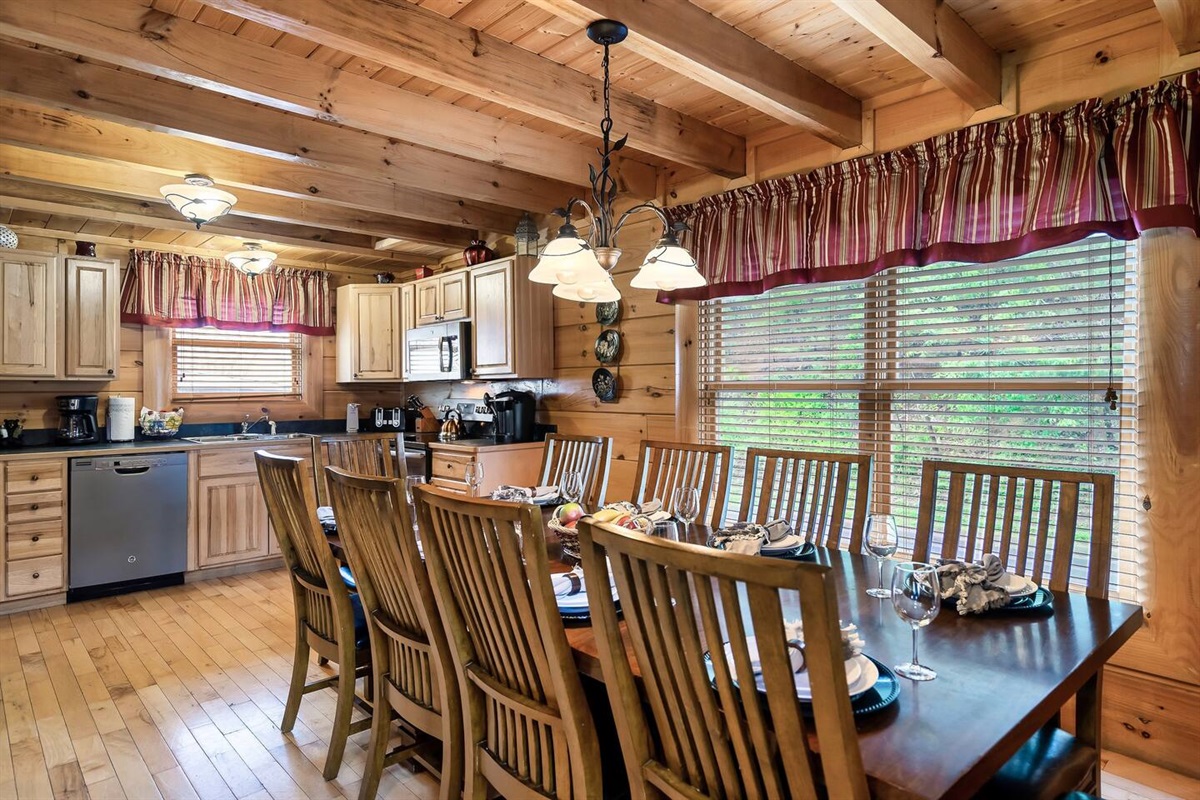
325 517
852 642
746 538
525 494
976 587
567 583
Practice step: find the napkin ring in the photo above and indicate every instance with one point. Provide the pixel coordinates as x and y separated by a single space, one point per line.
798 646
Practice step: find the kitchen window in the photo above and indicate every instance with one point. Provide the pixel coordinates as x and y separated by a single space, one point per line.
214 364
1002 363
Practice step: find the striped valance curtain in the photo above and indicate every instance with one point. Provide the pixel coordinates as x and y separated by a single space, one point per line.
981 194
185 291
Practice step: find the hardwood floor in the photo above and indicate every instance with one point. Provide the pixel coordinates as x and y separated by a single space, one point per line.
177 693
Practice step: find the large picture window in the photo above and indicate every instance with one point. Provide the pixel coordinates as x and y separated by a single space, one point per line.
1003 363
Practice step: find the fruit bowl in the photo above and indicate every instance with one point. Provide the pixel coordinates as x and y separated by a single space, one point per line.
160 424
564 522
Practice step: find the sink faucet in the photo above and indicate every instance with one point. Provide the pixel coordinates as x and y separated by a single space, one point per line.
266 417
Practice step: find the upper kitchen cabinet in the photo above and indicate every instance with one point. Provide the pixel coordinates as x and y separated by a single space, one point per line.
512 329
442 298
369 333
408 319
28 315
93 331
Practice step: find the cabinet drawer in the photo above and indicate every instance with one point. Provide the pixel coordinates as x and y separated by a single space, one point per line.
34 539
458 487
452 467
34 507
34 476
240 460
34 576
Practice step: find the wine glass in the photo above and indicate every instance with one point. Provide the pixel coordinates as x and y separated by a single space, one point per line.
572 486
473 475
917 598
685 503
882 542
411 482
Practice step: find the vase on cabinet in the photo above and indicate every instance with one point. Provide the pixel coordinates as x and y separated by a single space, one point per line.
477 252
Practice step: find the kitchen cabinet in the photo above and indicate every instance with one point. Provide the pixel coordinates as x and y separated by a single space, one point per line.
512 330
28 315
408 319
442 298
231 523
34 524
369 333
515 464
93 322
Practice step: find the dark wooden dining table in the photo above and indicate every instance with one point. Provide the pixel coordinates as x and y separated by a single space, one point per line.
1001 677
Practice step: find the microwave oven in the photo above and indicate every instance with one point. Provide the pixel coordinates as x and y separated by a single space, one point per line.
439 352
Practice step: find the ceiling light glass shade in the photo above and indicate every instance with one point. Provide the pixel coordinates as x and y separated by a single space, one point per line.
253 260
568 260
668 267
601 291
197 199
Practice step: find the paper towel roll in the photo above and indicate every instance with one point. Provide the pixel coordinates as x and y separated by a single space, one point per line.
120 419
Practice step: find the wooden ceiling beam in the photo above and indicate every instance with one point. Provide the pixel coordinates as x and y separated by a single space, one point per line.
128 34
131 98
689 41
1182 18
70 201
421 42
122 180
72 134
936 40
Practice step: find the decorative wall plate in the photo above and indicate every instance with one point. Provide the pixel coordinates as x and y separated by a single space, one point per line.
608 346
604 385
608 313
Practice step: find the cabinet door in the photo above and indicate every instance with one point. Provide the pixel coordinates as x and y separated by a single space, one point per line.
368 333
491 315
428 301
232 520
28 316
93 321
408 320
452 289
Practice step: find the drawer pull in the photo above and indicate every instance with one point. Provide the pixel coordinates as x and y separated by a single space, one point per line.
33 478
34 507
37 575
36 539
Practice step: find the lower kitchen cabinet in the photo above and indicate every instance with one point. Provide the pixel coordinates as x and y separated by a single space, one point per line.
515 464
34 524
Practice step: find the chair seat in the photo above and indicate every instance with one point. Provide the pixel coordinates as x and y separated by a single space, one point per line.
1051 764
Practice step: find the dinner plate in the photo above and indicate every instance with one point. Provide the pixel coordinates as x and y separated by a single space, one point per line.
806 551
1019 586
861 673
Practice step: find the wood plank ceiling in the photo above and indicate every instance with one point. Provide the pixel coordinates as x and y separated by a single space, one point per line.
377 132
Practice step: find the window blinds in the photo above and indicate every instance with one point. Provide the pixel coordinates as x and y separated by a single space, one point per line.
214 364
1003 363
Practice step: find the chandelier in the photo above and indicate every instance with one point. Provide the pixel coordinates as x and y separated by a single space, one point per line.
197 199
580 269
252 260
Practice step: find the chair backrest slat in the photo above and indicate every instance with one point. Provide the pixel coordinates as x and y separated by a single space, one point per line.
664 466
1033 513
589 455
812 491
690 728
524 709
368 454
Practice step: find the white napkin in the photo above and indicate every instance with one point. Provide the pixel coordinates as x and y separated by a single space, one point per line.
325 515
567 583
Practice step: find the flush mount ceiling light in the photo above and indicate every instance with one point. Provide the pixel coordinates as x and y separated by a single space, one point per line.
580 268
197 199
252 260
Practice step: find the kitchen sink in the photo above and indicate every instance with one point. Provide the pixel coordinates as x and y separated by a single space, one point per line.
246 437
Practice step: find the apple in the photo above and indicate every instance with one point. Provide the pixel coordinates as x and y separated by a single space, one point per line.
569 514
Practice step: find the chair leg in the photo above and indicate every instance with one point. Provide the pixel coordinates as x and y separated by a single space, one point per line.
341 717
377 749
453 759
296 688
322 661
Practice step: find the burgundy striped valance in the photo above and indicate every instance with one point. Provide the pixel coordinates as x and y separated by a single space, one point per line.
984 193
178 291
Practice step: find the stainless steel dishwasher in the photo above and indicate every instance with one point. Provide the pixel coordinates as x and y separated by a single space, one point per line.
128 523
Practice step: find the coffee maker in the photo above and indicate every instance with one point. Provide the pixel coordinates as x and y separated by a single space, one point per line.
77 418
513 415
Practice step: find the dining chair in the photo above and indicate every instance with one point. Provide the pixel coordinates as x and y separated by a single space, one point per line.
689 728
1028 517
527 726
663 466
367 454
411 667
590 455
329 619
814 492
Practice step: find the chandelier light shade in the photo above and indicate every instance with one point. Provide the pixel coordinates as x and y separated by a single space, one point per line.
252 260
197 199
580 268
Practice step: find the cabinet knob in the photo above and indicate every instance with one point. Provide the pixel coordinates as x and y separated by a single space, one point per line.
33 478
36 539
34 507
110 372
37 575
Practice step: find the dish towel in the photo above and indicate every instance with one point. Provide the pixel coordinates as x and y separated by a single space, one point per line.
976 587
